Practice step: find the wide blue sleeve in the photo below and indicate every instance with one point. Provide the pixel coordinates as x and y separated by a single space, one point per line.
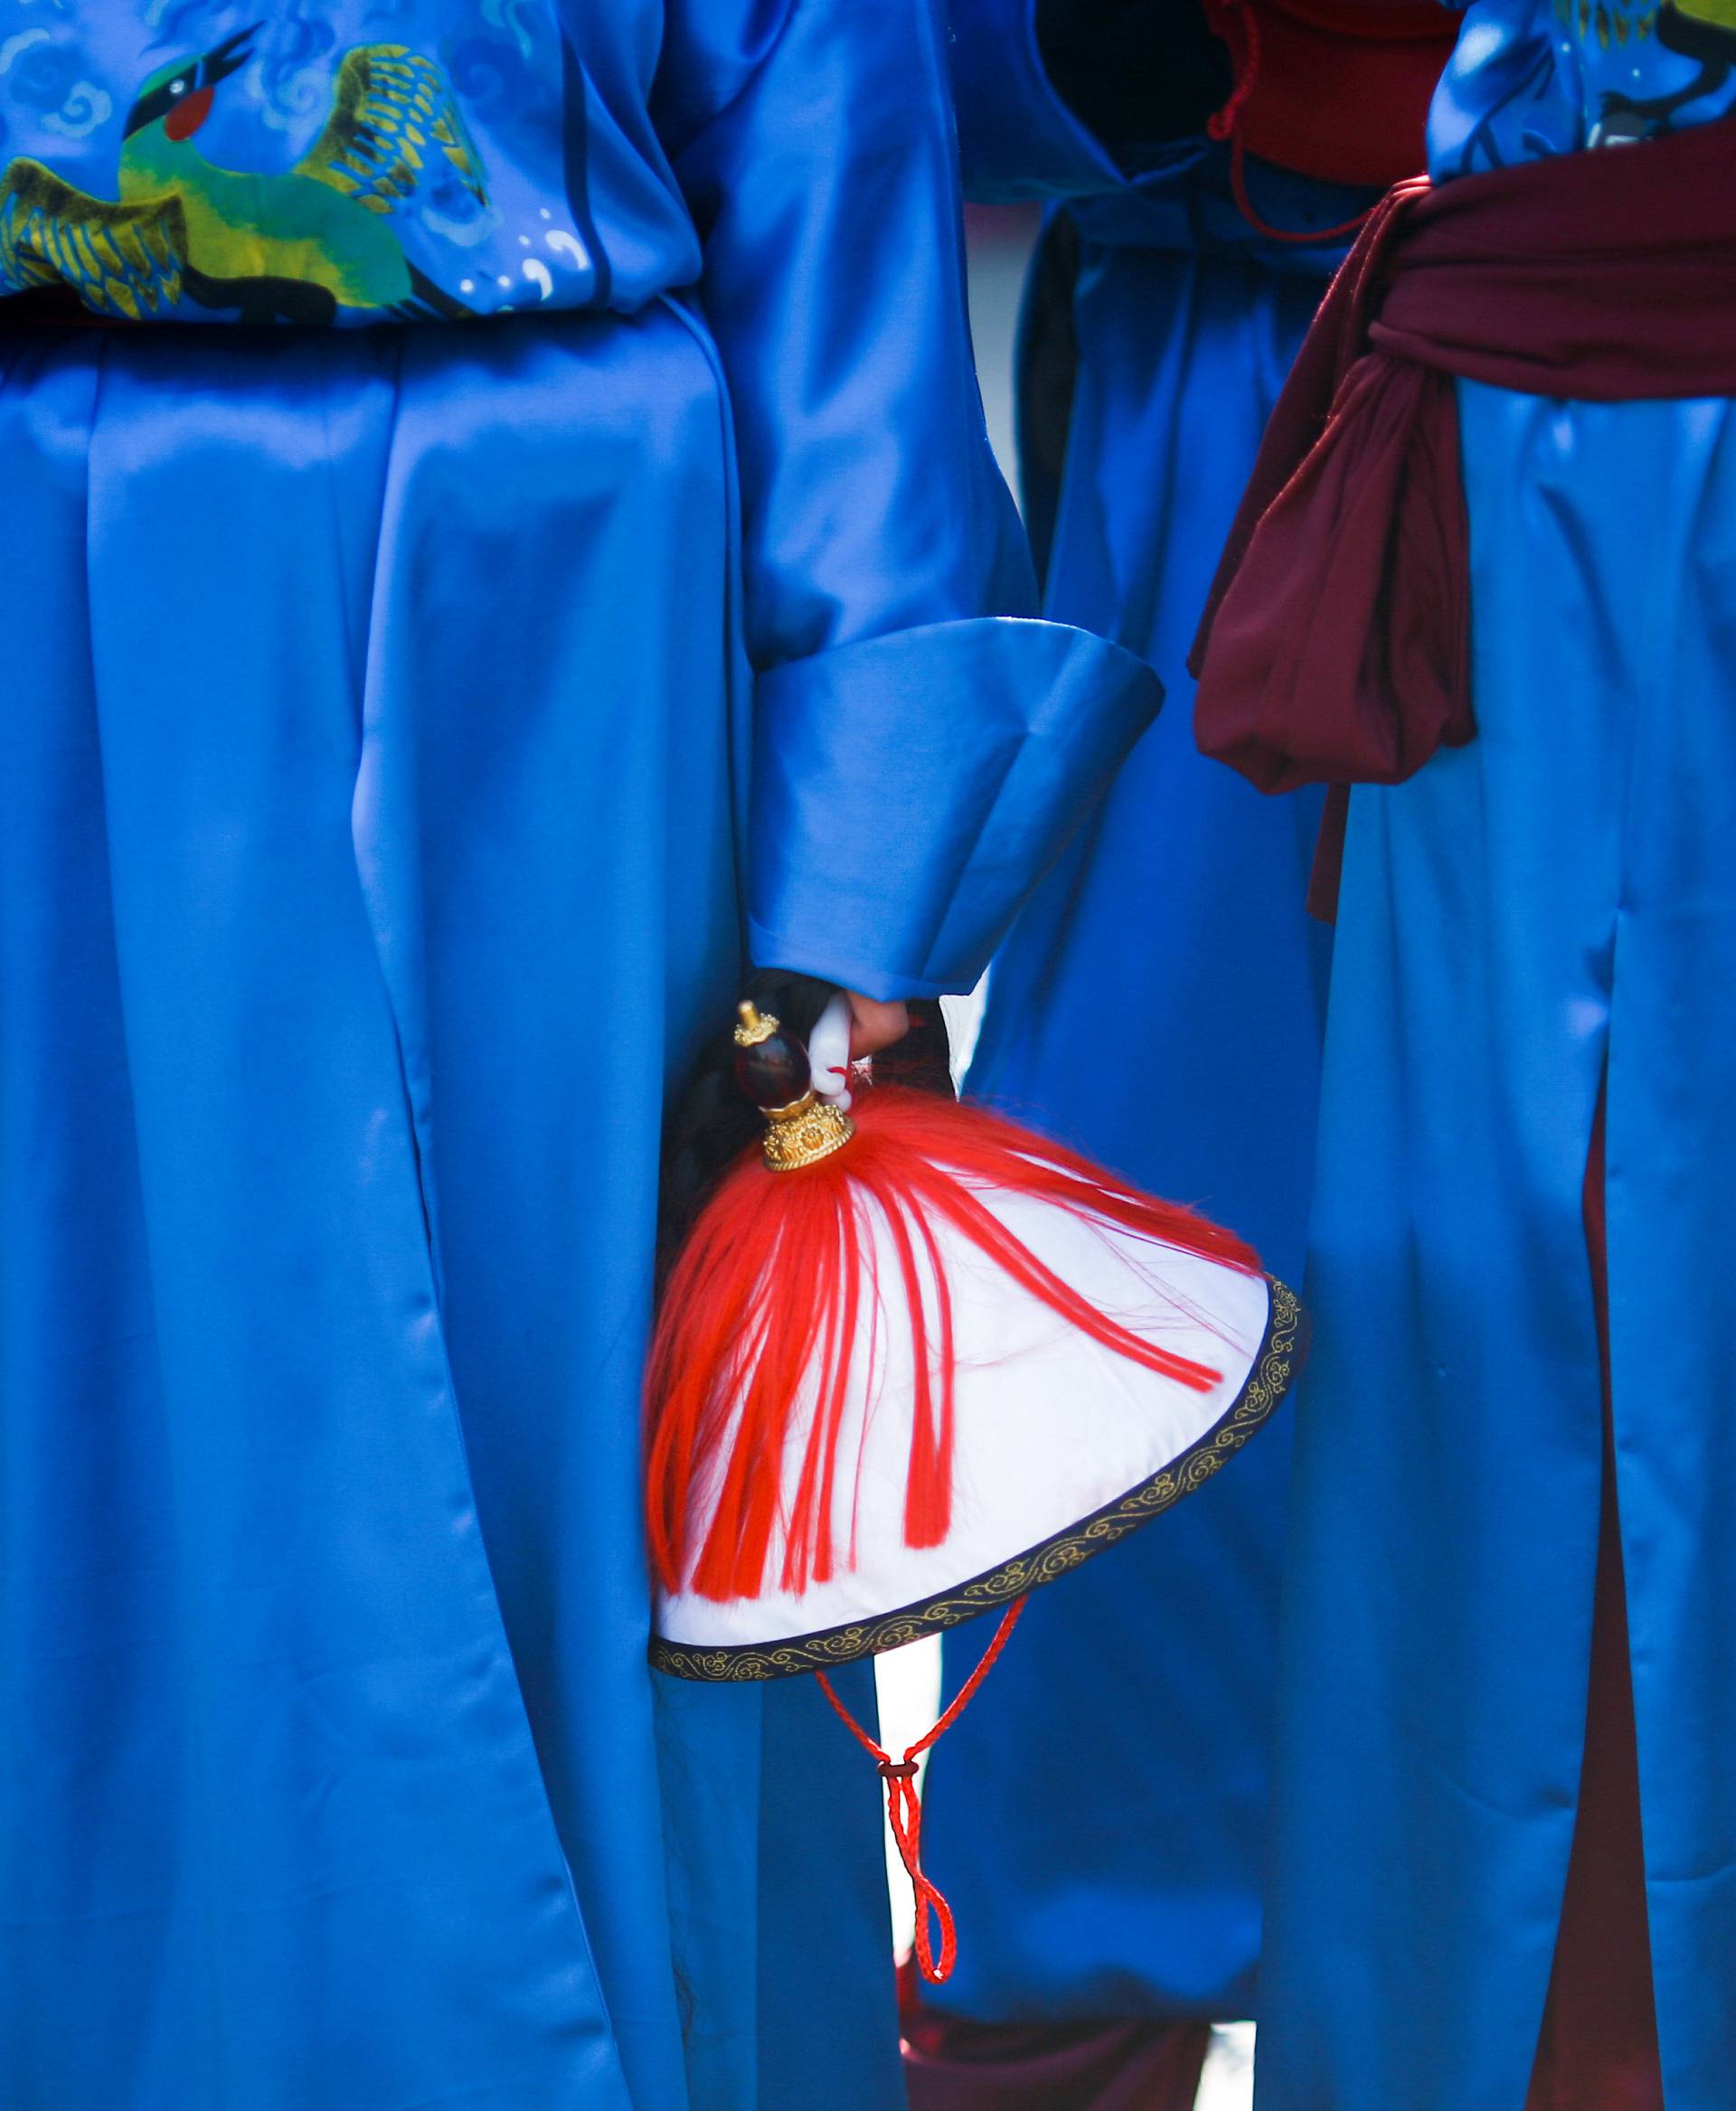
922 746
1071 98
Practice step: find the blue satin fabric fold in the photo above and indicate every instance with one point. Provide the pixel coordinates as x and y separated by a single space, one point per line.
1183 199
892 835
1017 138
893 829
366 878
275 1829
551 963
769 1795
1557 896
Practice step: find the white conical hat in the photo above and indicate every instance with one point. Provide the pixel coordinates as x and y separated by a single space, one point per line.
1061 1448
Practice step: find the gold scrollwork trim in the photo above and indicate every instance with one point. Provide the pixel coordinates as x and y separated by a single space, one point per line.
801 1136
1274 1370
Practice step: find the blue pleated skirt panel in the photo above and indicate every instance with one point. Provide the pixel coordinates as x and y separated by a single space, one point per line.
1558 898
368 758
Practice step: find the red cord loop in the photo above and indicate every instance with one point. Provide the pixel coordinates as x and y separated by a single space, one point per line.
1240 31
904 1806
1245 54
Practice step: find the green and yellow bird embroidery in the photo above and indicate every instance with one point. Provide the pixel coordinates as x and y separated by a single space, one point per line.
293 248
1704 31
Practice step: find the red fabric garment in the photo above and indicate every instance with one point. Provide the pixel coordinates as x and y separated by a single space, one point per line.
1337 89
1598 2046
1335 643
953 2065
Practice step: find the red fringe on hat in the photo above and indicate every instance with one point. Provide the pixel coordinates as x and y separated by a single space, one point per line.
774 1293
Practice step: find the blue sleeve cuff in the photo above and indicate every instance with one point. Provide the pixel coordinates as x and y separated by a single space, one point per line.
1017 138
909 790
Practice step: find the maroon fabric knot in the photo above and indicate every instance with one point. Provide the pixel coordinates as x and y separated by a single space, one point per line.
1335 645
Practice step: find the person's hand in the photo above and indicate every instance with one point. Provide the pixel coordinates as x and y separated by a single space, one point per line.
874 1025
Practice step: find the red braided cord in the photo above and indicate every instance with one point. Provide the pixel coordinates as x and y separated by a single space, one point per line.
1245 206
1221 123
1226 124
904 1806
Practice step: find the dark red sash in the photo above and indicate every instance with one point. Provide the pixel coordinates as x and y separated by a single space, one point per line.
1335 646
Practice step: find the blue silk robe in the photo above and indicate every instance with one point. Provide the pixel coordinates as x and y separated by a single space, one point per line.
1552 905
1099 1816
405 732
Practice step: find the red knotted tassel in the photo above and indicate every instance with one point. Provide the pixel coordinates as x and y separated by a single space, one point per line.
904 1804
774 1298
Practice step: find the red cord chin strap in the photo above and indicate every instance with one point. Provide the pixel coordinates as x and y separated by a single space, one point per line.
904 1806
1241 31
